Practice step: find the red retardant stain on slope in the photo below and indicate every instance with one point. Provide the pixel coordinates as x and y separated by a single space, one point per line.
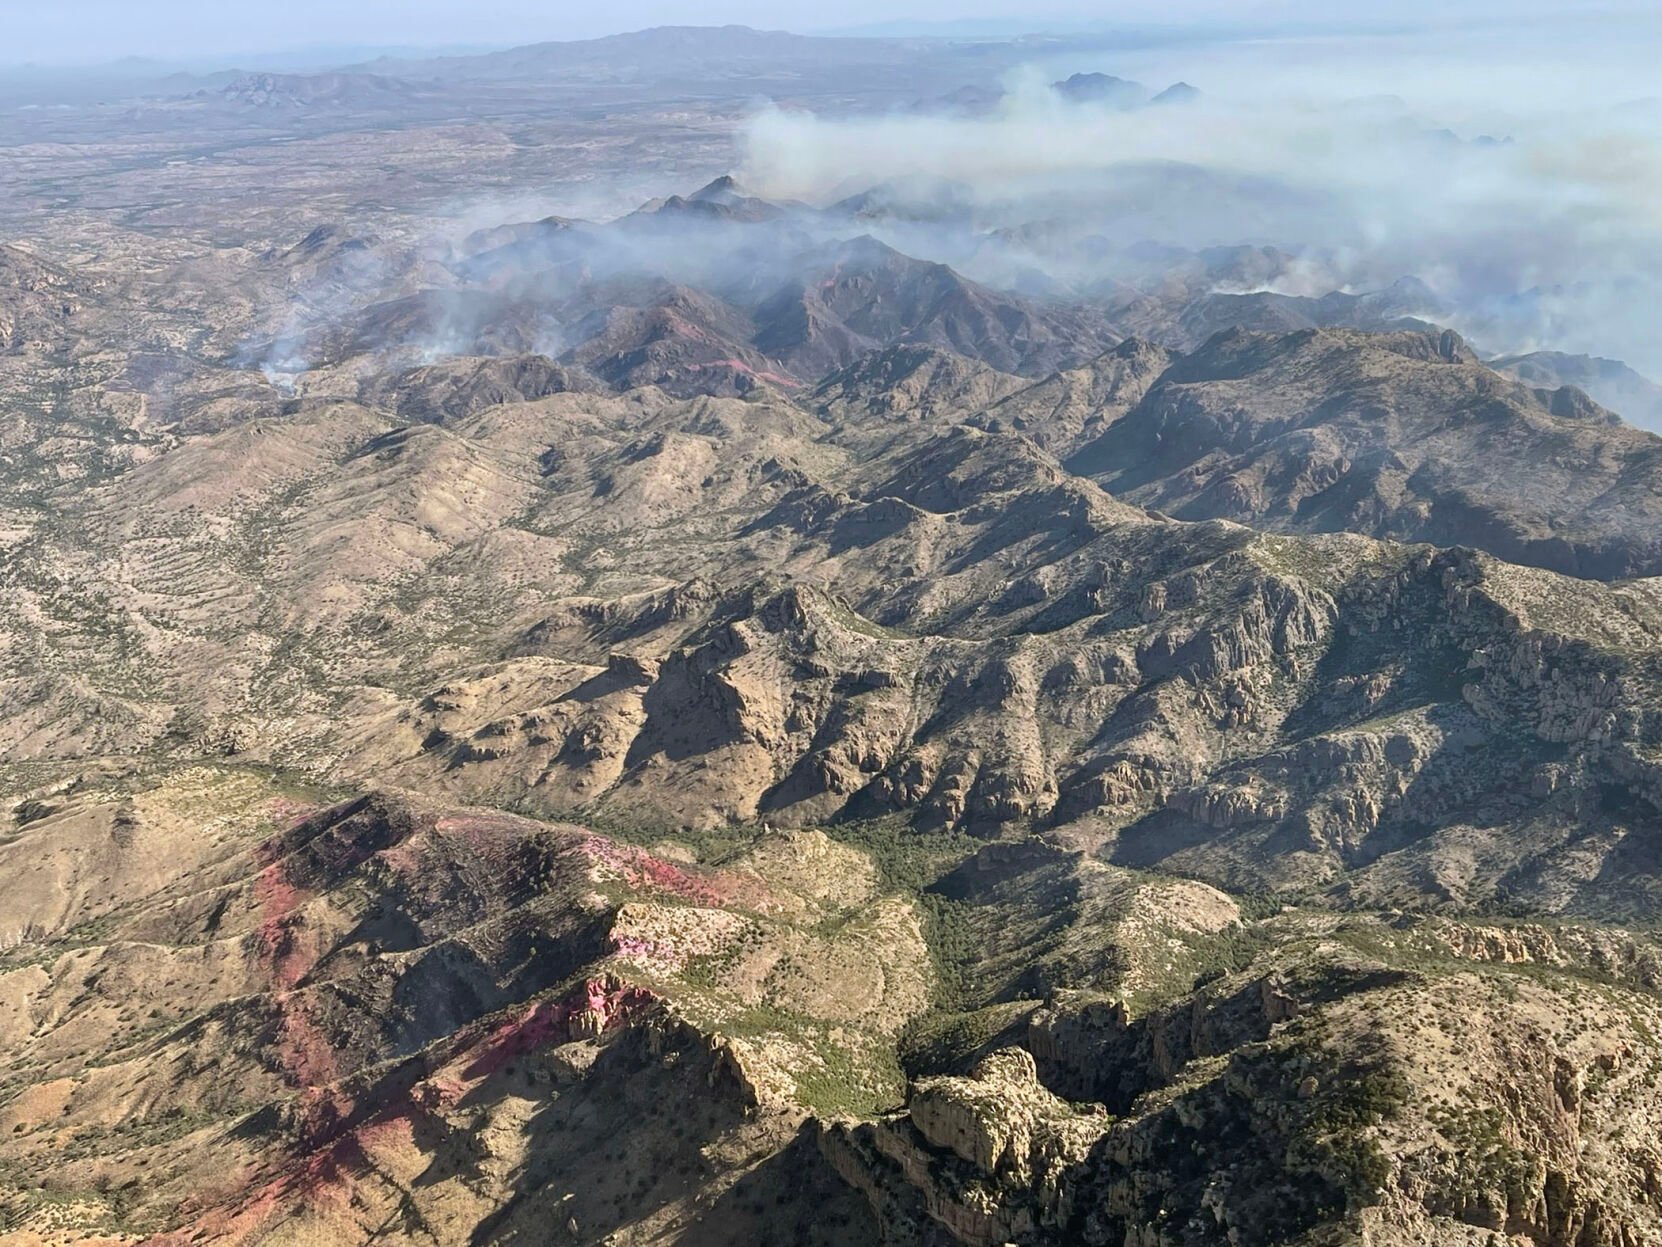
738 365
640 869
307 1058
278 901
334 1152
653 952
594 1007
326 1178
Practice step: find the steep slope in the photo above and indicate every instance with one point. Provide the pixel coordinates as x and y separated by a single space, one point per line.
1407 304
972 855
939 623
682 340
1395 435
303 1021
910 382
866 294
37 298
1610 382
458 388
1367 1080
1073 407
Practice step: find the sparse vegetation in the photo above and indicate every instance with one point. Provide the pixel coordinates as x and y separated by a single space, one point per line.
682 728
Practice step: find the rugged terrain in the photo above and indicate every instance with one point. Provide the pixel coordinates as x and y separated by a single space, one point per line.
698 725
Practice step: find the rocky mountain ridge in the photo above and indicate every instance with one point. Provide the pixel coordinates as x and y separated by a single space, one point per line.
1003 779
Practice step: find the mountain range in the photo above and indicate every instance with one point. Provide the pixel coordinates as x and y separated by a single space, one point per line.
717 724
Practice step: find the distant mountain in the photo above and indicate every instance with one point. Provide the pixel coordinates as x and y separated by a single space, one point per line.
723 200
1177 93
970 100
674 52
1408 303
1399 435
306 91
1096 88
865 294
680 339
909 199
976 99
713 292
1609 381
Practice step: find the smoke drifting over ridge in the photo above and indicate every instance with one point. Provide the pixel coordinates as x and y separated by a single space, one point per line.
1468 179
1519 182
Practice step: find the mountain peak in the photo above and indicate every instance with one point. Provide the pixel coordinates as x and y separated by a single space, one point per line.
1099 88
724 189
1177 93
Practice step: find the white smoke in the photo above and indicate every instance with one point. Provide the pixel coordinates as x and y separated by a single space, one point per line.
1516 173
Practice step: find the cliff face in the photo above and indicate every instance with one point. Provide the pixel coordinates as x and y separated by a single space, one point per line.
1320 1096
987 1155
326 1015
1234 718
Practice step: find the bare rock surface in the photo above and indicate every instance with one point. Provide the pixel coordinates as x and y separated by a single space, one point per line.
540 704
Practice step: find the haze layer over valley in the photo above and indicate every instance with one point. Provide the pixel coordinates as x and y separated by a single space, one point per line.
721 636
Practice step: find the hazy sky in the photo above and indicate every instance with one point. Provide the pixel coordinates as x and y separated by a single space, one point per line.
82 31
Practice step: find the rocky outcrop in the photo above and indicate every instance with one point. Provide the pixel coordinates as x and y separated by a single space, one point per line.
1398 435
1303 1101
987 1155
1001 1120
